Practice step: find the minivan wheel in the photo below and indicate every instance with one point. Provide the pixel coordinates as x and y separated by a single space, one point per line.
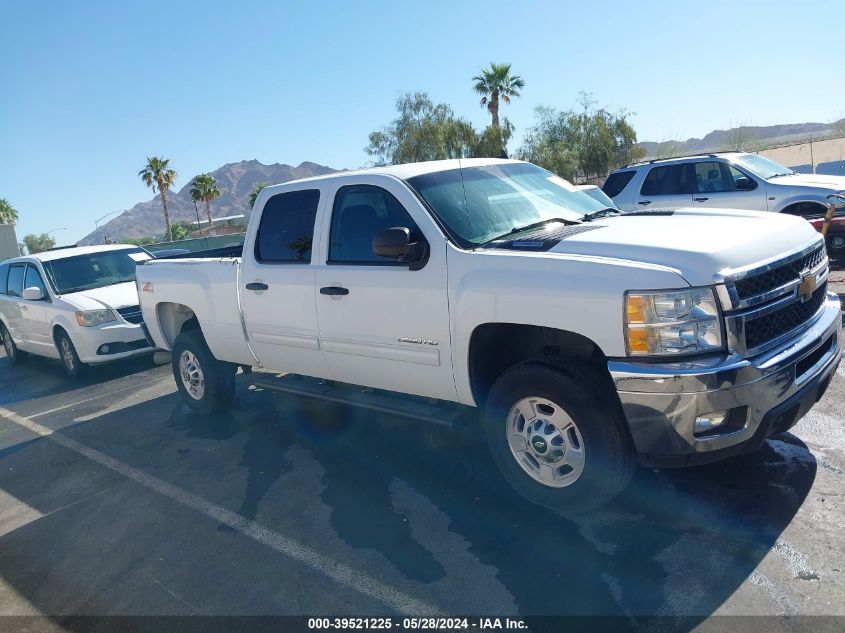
558 437
68 356
12 352
207 385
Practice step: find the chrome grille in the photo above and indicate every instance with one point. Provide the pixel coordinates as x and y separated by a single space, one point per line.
769 304
132 314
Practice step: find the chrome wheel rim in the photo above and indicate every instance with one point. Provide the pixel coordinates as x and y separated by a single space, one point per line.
7 343
191 374
67 354
545 442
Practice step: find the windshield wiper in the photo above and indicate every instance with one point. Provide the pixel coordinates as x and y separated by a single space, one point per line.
528 227
595 215
787 173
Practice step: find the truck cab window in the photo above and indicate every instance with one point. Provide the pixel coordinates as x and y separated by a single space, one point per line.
287 227
361 211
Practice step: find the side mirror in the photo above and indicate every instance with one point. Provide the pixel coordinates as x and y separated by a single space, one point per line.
744 184
33 294
396 243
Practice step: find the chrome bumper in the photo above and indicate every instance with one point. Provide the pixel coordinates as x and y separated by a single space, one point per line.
767 394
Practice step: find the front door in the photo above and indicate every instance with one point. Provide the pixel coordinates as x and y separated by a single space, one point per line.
721 185
277 286
35 321
383 324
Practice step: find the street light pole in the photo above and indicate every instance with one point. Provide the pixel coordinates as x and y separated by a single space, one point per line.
98 220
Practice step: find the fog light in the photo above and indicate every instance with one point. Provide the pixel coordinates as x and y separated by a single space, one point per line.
105 349
709 422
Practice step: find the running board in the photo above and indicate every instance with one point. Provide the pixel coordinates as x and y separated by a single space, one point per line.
439 412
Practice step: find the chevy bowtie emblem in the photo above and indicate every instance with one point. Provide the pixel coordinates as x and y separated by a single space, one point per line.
807 286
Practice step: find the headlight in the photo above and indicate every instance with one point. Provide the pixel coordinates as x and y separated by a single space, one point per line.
90 318
672 323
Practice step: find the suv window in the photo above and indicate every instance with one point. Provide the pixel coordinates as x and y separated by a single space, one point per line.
33 280
616 182
666 181
361 211
15 286
713 177
4 274
287 227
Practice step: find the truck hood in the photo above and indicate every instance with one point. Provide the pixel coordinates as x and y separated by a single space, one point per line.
116 296
697 243
835 183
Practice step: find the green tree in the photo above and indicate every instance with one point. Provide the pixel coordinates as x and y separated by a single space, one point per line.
157 174
581 144
422 131
204 188
8 213
494 84
257 189
181 230
38 243
140 241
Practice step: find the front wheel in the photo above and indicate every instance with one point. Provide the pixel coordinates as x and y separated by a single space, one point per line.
67 354
558 437
207 385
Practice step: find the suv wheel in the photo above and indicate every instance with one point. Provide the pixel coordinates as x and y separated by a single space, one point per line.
12 352
67 354
558 438
206 384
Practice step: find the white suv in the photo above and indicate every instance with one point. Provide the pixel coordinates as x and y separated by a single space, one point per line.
79 305
730 180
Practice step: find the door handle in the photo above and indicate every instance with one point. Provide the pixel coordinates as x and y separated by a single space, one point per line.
701 199
334 291
257 285
644 202
24 308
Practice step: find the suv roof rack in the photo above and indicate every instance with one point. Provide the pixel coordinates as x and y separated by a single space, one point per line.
682 156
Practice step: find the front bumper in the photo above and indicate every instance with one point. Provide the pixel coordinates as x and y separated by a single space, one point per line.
123 340
766 394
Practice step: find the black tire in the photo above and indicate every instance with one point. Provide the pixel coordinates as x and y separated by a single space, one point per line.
608 459
218 377
12 352
67 355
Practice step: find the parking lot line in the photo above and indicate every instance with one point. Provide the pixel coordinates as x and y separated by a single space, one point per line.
393 598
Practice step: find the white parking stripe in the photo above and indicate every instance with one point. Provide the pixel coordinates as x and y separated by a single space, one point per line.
394 598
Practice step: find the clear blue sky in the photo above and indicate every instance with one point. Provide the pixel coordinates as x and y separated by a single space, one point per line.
89 88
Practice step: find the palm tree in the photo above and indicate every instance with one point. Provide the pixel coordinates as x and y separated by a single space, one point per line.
496 83
157 173
204 188
258 188
8 213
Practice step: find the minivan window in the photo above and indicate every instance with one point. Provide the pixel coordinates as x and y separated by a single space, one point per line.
666 181
4 275
287 227
15 286
33 280
616 182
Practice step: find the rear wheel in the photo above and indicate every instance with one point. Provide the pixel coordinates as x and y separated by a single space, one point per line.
68 356
12 352
558 437
207 385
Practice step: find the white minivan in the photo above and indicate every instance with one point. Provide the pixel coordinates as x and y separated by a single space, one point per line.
77 304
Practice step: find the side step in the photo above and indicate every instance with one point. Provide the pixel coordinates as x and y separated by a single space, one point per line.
454 416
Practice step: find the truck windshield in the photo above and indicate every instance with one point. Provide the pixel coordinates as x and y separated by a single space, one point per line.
762 167
94 270
477 204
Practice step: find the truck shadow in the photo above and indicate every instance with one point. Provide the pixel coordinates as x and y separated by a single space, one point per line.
428 502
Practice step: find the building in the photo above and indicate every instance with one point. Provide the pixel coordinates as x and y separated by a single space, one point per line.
8 242
229 225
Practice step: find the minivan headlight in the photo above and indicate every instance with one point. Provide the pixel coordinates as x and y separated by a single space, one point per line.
90 318
672 323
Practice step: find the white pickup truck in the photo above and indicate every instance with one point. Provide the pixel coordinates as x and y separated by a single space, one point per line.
590 340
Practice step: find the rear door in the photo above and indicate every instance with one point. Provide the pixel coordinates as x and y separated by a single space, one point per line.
665 187
277 284
383 324
721 185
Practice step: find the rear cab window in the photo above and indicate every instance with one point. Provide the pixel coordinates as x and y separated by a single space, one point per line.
286 231
616 182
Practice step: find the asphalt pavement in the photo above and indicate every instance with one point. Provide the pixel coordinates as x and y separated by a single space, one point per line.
116 499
